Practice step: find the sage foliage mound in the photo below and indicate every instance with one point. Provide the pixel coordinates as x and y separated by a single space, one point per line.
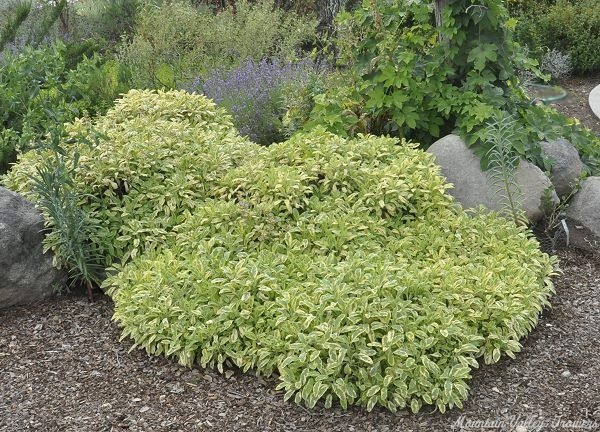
142 166
342 265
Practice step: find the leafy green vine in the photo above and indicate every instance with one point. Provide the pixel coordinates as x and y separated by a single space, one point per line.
414 79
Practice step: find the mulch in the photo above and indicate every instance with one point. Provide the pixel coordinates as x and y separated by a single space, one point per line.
576 104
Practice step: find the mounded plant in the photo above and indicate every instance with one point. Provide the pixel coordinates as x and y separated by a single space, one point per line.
342 265
142 166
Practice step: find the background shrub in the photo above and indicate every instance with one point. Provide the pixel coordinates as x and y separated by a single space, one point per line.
70 22
176 42
573 28
569 26
255 93
412 79
38 92
106 19
12 18
527 6
408 84
324 10
45 22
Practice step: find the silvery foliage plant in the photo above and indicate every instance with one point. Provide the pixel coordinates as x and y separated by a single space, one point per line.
556 64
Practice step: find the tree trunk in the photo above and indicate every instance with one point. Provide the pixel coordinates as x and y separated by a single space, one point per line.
326 11
437 7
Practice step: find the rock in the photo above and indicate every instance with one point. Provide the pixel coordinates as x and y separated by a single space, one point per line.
27 274
472 186
175 388
566 165
566 374
594 99
583 216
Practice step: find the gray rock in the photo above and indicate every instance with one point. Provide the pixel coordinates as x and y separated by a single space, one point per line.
594 99
26 274
472 186
566 165
583 216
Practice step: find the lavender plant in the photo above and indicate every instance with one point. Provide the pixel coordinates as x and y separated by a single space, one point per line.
254 94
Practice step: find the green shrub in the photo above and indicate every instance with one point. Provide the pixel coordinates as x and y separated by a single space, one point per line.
33 23
12 19
303 7
299 100
529 7
342 265
38 92
410 84
108 19
573 28
85 27
569 26
177 42
412 79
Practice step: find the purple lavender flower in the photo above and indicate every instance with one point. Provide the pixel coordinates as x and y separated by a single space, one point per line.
253 94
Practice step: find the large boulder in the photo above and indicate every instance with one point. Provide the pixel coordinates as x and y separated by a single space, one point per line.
583 216
566 165
473 187
26 274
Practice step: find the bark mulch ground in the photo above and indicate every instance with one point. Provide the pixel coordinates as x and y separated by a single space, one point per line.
576 104
63 368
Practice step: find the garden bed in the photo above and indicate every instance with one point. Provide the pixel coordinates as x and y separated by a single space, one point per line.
64 369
